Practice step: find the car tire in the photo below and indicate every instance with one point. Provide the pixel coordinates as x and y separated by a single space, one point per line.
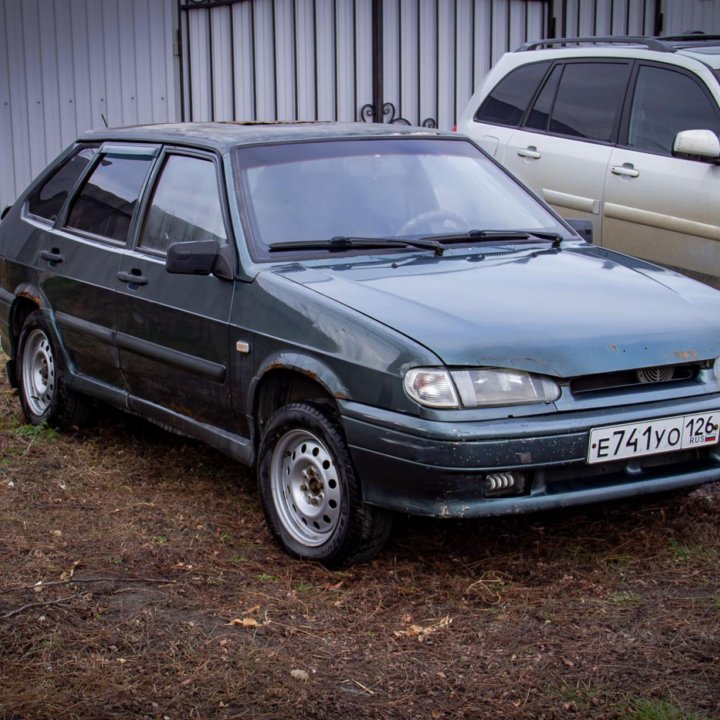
309 491
41 373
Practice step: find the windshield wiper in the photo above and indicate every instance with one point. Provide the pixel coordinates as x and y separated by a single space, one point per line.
489 235
341 242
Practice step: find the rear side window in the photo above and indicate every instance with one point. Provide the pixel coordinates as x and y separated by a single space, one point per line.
107 201
589 100
47 201
507 103
539 115
185 206
665 103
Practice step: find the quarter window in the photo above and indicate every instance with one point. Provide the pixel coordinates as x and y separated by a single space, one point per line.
107 201
47 201
665 103
185 206
507 103
589 100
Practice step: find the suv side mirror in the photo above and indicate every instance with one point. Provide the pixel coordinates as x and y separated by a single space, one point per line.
584 228
697 145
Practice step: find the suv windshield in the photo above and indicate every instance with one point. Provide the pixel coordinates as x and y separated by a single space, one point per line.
390 188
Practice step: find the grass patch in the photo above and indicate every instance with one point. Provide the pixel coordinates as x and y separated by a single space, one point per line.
646 709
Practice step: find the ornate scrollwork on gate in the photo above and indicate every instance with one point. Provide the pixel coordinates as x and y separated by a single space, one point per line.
390 116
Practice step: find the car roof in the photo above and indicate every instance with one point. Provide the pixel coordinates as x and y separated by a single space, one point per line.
223 136
703 48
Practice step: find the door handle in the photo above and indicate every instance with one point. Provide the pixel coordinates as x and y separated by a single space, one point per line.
134 277
530 152
626 169
54 256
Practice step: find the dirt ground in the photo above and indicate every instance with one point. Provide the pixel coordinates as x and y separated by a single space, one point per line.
138 581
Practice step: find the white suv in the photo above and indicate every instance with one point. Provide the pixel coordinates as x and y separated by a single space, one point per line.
619 131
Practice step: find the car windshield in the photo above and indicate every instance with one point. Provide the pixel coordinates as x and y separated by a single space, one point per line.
314 193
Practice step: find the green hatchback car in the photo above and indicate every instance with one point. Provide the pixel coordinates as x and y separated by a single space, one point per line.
378 319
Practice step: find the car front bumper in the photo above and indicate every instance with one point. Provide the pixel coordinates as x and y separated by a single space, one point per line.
439 469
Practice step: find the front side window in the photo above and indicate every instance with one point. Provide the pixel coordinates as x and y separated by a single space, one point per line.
107 201
508 101
388 188
185 206
47 201
589 100
665 103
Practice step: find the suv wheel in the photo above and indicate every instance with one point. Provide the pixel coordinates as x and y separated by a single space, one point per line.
310 494
44 396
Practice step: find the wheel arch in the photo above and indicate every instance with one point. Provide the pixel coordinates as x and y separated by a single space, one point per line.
288 379
28 299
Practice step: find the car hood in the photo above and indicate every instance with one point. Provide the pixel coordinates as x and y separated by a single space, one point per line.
560 312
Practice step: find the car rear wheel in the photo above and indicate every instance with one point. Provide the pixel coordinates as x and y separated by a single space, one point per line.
44 395
310 495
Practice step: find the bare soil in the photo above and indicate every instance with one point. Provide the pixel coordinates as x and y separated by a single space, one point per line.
139 581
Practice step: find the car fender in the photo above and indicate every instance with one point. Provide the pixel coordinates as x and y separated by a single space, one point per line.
307 365
35 295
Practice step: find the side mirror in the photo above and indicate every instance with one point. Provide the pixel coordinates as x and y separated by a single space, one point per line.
192 258
697 145
201 257
584 228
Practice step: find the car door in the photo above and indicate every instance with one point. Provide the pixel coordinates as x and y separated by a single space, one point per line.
657 206
563 148
79 257
172 329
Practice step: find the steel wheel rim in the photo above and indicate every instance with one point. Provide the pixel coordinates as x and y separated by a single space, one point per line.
305 487
38 370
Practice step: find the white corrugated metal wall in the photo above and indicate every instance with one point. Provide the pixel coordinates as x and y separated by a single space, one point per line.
684 16
66 64
577 18
312 59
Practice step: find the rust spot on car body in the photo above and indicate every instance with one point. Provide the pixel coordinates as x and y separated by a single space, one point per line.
686 354
35 298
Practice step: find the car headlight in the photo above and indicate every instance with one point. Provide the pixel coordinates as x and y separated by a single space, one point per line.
431 387
482 387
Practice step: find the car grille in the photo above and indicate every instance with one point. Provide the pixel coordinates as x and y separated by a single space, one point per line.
631 378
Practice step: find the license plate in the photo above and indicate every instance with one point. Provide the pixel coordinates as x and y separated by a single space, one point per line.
654 436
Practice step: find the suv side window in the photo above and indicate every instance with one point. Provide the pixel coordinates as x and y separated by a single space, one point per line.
538 118
185 205
108 198
47 200
665 103
508 101
589 100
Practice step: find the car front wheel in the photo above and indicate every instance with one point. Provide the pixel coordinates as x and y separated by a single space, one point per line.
310 494
44 395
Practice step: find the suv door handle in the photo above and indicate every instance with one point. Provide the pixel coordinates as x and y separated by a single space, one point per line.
134 277
626 169
529 152
54 256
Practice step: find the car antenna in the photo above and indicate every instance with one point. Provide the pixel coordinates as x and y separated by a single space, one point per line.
104 119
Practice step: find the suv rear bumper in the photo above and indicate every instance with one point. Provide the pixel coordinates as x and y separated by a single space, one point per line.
439 469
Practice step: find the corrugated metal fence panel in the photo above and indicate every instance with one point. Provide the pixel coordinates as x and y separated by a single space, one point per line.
64 64
682 16
312 59
604 17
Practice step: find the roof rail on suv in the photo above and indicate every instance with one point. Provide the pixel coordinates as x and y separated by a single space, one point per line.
649 42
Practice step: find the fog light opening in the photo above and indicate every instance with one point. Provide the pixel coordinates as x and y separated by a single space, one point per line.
502 484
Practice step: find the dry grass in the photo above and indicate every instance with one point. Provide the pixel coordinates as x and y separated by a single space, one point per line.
139 582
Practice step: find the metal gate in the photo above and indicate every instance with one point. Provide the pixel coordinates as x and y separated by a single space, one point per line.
412 61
